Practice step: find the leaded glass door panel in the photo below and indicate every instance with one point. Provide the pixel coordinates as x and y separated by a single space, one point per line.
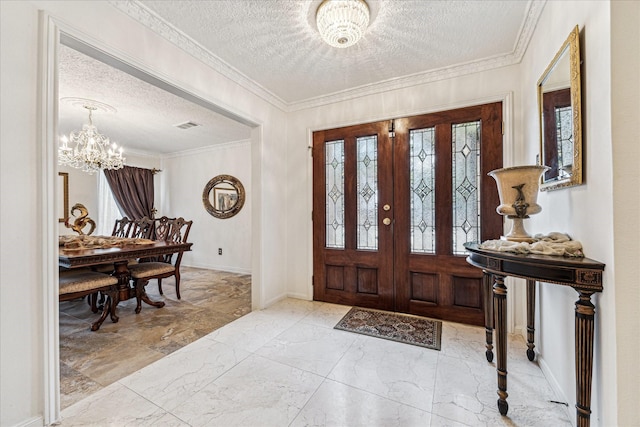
353 238
444 198
392 210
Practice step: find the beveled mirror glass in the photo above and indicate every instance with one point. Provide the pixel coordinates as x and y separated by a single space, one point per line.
559 104
223 196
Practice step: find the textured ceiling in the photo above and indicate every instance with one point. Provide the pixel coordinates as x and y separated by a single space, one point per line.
145 115
275 43
272 48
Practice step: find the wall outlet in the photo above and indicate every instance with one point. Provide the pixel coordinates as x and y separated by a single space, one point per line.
219 251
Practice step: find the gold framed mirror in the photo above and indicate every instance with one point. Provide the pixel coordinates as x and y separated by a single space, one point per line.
560 117
223 196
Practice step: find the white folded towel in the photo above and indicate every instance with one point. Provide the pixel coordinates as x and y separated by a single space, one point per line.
555 243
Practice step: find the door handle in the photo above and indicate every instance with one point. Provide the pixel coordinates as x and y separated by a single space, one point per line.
386 221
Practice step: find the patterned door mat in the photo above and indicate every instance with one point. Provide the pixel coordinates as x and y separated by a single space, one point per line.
399 327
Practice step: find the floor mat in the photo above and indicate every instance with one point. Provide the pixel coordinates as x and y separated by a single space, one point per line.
399 327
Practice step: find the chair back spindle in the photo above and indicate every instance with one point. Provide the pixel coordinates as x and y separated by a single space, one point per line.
122 227
142 228
163 227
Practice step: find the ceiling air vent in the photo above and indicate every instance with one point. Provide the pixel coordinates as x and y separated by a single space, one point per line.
186 125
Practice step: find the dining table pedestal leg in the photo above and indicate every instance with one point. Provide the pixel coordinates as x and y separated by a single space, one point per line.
122 273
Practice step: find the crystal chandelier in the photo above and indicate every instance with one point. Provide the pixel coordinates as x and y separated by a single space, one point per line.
92 151
341 23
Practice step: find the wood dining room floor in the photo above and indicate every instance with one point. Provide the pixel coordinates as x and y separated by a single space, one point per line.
90 361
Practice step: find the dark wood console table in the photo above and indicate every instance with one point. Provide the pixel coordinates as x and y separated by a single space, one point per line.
582 274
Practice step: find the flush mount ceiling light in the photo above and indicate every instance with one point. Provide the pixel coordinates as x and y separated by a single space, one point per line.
341 23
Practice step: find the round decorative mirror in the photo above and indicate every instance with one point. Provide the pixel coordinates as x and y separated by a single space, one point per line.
223 196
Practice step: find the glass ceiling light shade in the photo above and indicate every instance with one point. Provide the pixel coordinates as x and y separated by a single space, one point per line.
341 23
91 150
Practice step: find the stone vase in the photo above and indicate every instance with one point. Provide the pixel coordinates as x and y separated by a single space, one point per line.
518 191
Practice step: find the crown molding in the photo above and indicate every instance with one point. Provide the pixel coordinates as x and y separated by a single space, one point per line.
533 13
528 26
406 82
148 18
206 149
157 24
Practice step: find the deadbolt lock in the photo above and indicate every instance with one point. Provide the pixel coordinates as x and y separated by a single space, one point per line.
386 207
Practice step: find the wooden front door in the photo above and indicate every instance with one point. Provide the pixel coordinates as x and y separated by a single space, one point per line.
393 203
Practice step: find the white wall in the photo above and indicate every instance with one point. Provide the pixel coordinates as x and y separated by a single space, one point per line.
587 212
184 177
625 126
21 320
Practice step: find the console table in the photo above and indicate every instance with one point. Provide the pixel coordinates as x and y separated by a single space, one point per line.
582 274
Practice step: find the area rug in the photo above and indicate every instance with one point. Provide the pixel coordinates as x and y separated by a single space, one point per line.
393 326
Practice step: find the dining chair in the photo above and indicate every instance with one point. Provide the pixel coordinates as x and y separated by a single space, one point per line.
173 230
162 227
78 283
122 227
142 228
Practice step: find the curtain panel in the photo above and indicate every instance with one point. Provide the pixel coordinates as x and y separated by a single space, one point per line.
133 191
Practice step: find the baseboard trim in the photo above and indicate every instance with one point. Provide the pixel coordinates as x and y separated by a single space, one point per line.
31 422
274 300
221 268
555 385
299 296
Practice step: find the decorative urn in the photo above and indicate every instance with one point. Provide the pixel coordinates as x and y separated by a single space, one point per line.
518 191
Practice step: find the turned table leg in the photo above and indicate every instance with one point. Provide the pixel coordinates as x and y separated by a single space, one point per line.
500 311
585 312
531 318
488 314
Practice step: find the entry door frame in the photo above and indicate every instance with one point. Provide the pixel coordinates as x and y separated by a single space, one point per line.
514 317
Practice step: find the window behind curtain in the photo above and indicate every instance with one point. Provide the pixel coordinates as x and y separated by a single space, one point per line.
108 211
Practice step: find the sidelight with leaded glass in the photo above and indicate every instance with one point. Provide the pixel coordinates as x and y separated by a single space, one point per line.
367 192
465 146
422 184
334 194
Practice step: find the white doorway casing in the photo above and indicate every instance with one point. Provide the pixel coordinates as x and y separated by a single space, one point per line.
50 30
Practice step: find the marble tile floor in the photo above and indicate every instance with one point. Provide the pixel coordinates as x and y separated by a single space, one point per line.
90 361
287 366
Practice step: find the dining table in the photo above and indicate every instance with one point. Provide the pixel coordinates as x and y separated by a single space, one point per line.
119 253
